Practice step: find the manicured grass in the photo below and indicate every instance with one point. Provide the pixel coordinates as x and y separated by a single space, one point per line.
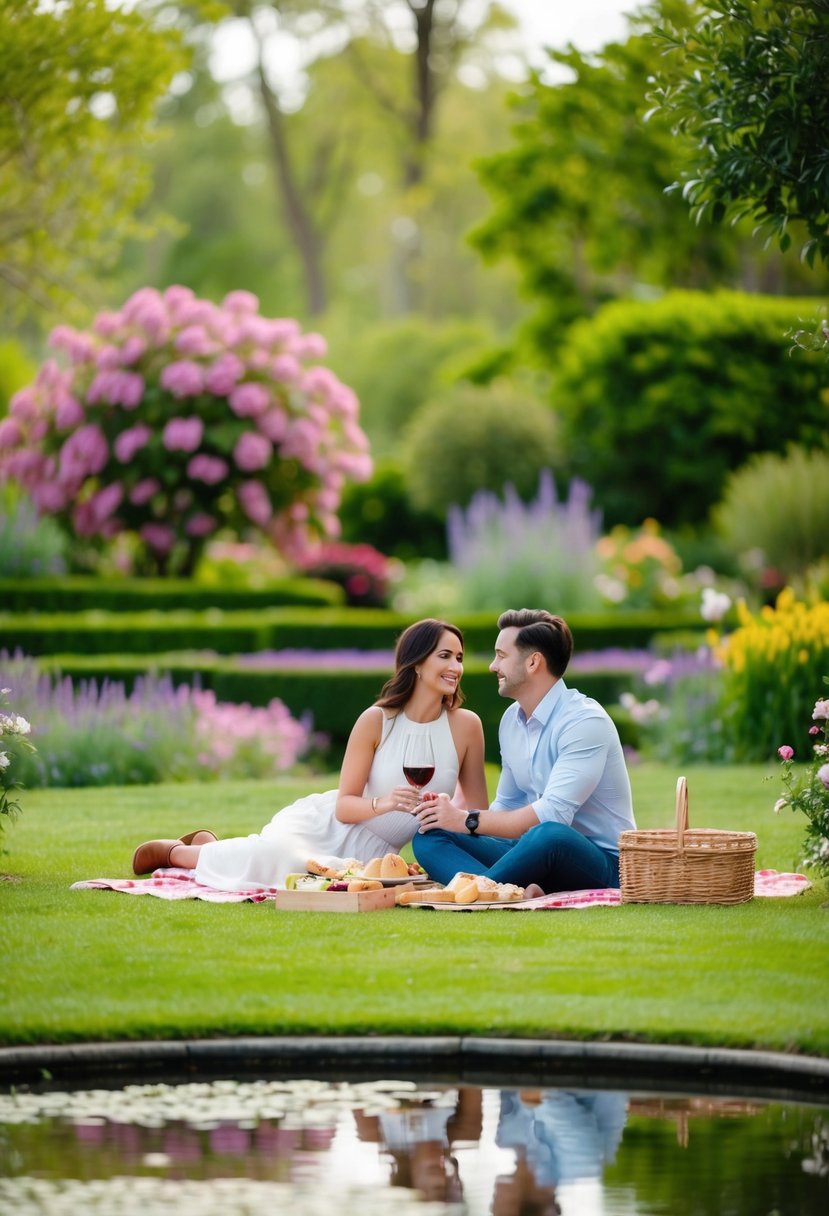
94 965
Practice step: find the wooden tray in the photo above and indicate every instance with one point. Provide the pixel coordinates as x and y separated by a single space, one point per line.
335 901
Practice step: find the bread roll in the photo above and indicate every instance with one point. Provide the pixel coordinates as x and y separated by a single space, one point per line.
467 894
393 866
365 884
372 868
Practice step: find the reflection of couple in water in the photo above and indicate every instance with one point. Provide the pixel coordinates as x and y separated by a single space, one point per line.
559 1137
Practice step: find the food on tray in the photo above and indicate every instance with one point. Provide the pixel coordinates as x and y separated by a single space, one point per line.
306 882
390 866
364 884
466 889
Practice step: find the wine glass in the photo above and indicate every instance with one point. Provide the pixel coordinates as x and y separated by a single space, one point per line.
418 760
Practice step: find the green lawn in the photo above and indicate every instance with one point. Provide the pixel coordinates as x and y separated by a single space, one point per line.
94 965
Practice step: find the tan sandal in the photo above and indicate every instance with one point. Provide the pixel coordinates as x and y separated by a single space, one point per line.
190 837
152 855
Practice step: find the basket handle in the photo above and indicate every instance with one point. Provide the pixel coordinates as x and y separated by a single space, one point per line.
681 809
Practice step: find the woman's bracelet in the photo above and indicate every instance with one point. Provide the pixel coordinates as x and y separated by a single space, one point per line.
374 806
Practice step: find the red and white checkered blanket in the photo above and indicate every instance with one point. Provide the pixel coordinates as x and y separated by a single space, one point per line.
180 884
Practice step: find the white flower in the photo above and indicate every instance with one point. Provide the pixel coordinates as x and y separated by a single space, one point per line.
22 727
4 760
714 605
780 805
821 711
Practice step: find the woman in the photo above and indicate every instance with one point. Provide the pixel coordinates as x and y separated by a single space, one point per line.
371 813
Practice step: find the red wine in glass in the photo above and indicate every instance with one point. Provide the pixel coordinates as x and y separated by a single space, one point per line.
418 761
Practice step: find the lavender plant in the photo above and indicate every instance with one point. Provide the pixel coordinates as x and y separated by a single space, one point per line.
538 553
102 735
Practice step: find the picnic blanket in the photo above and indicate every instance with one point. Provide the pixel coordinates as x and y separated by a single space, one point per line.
180 884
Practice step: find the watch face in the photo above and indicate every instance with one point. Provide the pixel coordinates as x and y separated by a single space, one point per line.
472 821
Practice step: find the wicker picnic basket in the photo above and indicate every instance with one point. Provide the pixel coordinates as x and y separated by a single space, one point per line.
686 866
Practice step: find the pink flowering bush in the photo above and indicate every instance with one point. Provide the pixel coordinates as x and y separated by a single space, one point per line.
362 571
175 417
809 792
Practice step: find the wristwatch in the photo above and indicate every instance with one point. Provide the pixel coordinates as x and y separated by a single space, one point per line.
471 824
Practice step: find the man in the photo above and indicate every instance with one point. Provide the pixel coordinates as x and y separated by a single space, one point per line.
564 793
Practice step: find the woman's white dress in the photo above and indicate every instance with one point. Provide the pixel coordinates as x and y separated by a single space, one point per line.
309 827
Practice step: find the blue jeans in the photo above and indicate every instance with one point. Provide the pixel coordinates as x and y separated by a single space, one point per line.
553 855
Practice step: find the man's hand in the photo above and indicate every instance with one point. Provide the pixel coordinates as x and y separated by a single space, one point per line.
438 811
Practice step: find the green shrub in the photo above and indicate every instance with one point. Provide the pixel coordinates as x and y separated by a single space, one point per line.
473 439
379 512
780 506
398 366
16 370
659 401
229 633
78 593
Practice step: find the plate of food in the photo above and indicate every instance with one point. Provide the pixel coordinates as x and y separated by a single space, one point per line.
389 871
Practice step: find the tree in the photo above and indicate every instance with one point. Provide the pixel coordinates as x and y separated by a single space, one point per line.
579 198
79 86
750 87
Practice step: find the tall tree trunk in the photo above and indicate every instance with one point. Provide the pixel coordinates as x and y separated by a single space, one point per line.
300 221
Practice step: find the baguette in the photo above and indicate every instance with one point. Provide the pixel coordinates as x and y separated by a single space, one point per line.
426 897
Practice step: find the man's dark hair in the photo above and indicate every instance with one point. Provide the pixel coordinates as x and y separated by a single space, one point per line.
540 630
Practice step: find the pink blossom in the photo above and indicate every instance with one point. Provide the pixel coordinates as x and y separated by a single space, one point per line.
254 501
823 775
68 414
310 346
244 302
23 404
49 497
785 752
158 537
221 377
252 452
90 515
200 525
320 381
821 711
108 358
79 347
131 441
195 313
177 296
130 390
301 440
286 367
194 340
85 452
133 348
183 379
249 400
209 469
814 730
107 323
10 433
274 424
144 490
282 330
182 434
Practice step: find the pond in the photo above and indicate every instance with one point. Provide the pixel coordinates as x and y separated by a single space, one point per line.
360 1148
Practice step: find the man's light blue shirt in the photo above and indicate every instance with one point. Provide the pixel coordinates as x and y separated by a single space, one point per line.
566 760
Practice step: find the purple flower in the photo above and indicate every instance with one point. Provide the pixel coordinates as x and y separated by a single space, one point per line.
85 452
194 340
144 490
244 302
223 375
254 501
10 433
249 400
200 524
785 752
182 434
158 537
68 414
131 441
183 378
252 452
209 469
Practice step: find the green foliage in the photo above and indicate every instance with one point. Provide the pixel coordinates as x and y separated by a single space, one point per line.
379 512
794 533
81 82
472 439
748 85
16 369
808 791
659 402
399 365
30 545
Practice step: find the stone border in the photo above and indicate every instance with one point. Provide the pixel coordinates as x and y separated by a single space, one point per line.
450 1059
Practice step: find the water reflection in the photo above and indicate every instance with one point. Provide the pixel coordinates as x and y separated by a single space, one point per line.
239 1147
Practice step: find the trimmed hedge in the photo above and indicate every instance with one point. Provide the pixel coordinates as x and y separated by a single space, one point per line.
334 697
82 593
231 633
